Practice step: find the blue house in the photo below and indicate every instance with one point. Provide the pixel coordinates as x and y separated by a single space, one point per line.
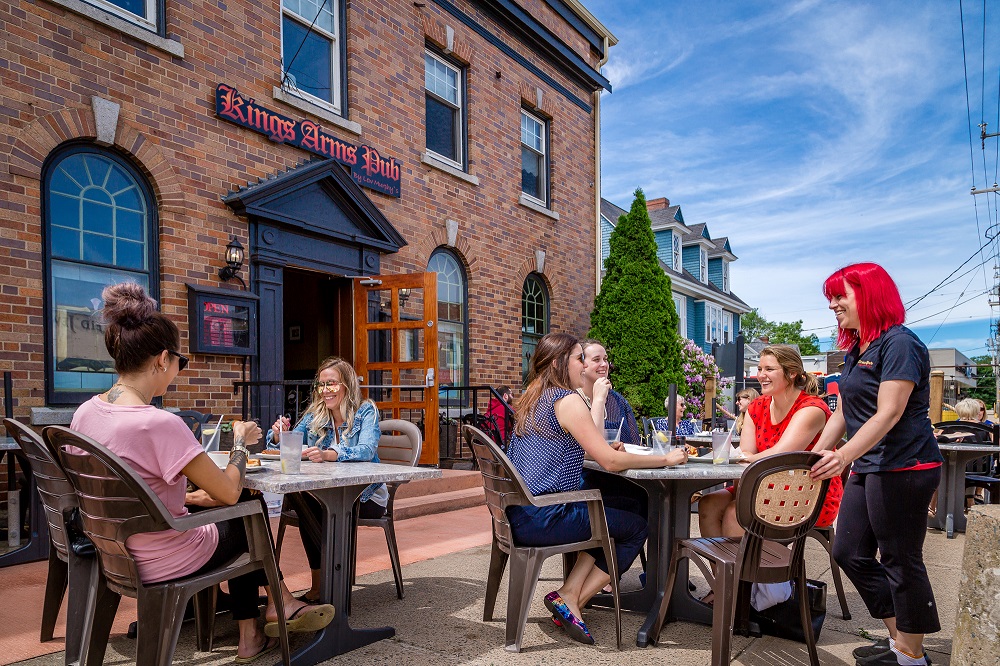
698 266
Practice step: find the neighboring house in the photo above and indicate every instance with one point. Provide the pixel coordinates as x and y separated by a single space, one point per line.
960 372
698 266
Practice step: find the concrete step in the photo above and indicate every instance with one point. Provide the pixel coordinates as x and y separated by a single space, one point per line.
423 505
451 480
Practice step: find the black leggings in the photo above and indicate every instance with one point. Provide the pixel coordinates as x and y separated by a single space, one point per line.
887 511
311 538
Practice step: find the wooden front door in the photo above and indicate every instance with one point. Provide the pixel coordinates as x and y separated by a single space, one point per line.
396 352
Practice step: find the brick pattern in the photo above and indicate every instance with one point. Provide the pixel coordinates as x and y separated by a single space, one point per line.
53 61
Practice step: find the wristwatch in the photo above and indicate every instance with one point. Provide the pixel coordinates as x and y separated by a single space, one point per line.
240 448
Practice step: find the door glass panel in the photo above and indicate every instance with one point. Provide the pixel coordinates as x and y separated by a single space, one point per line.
378 306
379 346
411 344
411 304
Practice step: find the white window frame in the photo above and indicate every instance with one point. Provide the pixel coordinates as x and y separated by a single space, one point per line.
676 251
543 175
680 305
725 276
287 80
703 265
727 327
459 108
148 22
713 323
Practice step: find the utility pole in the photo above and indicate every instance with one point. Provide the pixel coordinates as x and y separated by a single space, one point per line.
993 344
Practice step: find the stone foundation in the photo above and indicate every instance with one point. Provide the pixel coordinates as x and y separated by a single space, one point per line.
977 629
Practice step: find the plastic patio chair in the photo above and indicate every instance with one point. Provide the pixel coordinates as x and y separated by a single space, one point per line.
978 474
66 568
826 536
777 504
115 503
194 420
401 449
504 488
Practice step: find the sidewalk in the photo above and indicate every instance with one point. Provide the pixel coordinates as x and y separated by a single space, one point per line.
446 557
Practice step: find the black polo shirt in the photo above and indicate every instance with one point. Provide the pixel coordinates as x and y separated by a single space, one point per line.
897 354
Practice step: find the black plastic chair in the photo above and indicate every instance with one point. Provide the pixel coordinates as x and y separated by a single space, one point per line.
70 564
194 420
115 503
505 488
983 473
777 504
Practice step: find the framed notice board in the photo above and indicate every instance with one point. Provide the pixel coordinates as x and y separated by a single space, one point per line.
222 321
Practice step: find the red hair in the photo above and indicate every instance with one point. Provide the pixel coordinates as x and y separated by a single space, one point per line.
879 305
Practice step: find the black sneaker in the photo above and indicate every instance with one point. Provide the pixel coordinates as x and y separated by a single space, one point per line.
867 651
885 659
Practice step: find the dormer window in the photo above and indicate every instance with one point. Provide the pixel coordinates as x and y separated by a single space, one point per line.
703 265
676 251
725 276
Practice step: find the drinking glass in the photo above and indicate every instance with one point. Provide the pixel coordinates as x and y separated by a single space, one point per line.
661 442
209 440
720 448
611 435
291 451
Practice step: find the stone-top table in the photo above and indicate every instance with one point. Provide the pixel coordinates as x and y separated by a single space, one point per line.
336 486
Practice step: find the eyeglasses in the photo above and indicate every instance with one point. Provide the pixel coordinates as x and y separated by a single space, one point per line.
182 360
328 386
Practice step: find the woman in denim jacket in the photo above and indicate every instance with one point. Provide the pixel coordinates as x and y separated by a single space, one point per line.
338 426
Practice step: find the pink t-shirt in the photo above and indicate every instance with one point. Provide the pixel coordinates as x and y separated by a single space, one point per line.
157 445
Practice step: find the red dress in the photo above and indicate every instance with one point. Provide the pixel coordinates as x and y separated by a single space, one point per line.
767 435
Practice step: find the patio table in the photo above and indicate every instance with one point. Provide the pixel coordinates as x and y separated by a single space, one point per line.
669 514
950 515
336 486
37 547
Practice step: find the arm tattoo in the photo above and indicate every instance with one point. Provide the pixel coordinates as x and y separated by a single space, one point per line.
239 460
114 393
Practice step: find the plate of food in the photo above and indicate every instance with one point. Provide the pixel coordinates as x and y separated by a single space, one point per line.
707 459
253 465
269 454
638 450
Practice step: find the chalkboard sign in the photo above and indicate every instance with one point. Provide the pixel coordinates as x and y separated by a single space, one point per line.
222 321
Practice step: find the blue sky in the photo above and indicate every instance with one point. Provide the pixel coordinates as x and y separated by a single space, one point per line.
815 134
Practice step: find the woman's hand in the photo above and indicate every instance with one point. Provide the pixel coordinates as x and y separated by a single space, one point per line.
601 389
832 464
282 423
317 455
248 431
200 498
678 456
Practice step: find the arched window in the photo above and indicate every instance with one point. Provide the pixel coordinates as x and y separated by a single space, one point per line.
534 319
452 317
100 229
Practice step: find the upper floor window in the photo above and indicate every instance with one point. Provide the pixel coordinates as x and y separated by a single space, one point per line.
534 319
703 265
445 113
100 229
451 298
144 13
534 157
725 276
676 251
310 50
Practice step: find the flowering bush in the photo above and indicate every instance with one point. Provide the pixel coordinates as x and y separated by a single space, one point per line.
698 367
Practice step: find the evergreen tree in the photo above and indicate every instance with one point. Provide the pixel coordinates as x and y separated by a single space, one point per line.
634 315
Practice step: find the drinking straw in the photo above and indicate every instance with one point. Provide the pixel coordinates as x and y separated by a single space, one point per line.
214 434
619 435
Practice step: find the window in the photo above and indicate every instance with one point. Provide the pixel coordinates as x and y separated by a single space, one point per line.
680 305
703 265
534 157
713 323
99 230
725 276
451 298
143 13
534 319
727 327
445 109
310 56
676 251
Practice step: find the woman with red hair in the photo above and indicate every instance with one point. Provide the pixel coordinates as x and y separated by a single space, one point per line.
883 410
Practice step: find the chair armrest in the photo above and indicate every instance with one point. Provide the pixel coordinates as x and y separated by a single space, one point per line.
215 515
566 498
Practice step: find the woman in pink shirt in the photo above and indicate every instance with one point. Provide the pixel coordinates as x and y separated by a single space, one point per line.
162 450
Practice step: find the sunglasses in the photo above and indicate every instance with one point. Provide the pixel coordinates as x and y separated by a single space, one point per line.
328 386
182 360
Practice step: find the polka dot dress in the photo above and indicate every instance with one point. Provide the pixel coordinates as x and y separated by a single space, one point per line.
548 457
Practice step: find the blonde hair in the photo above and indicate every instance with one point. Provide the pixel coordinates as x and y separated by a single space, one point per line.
986 411
968 409
750 393
321 417
791 365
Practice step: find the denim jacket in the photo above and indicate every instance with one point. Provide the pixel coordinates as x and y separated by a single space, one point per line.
359 444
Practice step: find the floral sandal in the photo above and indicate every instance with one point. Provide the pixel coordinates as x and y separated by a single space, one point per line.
572 625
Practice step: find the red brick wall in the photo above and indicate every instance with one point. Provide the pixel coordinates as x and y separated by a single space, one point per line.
53 61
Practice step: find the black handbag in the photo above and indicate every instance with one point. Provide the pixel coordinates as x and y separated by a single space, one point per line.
78 541
782 620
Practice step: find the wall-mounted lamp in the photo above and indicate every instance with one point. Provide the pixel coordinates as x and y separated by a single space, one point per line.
234 262
404 295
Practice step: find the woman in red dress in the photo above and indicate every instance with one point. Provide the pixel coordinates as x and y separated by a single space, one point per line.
789 416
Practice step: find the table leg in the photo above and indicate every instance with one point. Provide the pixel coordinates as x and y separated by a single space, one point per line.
336 549
949 520
937 521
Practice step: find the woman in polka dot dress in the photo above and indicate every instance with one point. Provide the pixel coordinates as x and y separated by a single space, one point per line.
789 416
553 429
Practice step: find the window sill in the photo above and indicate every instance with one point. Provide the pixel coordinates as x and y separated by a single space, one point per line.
175 49
527 202
431 161
316 110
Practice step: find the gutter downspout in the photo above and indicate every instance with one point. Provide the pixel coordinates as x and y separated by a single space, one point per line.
597 175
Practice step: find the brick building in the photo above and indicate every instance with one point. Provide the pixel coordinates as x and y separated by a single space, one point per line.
331 140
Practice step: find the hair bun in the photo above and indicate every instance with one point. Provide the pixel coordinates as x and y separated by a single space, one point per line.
127 304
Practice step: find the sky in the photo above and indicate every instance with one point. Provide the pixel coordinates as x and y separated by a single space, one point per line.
817 134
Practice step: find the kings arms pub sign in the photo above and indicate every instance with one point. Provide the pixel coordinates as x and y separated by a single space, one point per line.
368 168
